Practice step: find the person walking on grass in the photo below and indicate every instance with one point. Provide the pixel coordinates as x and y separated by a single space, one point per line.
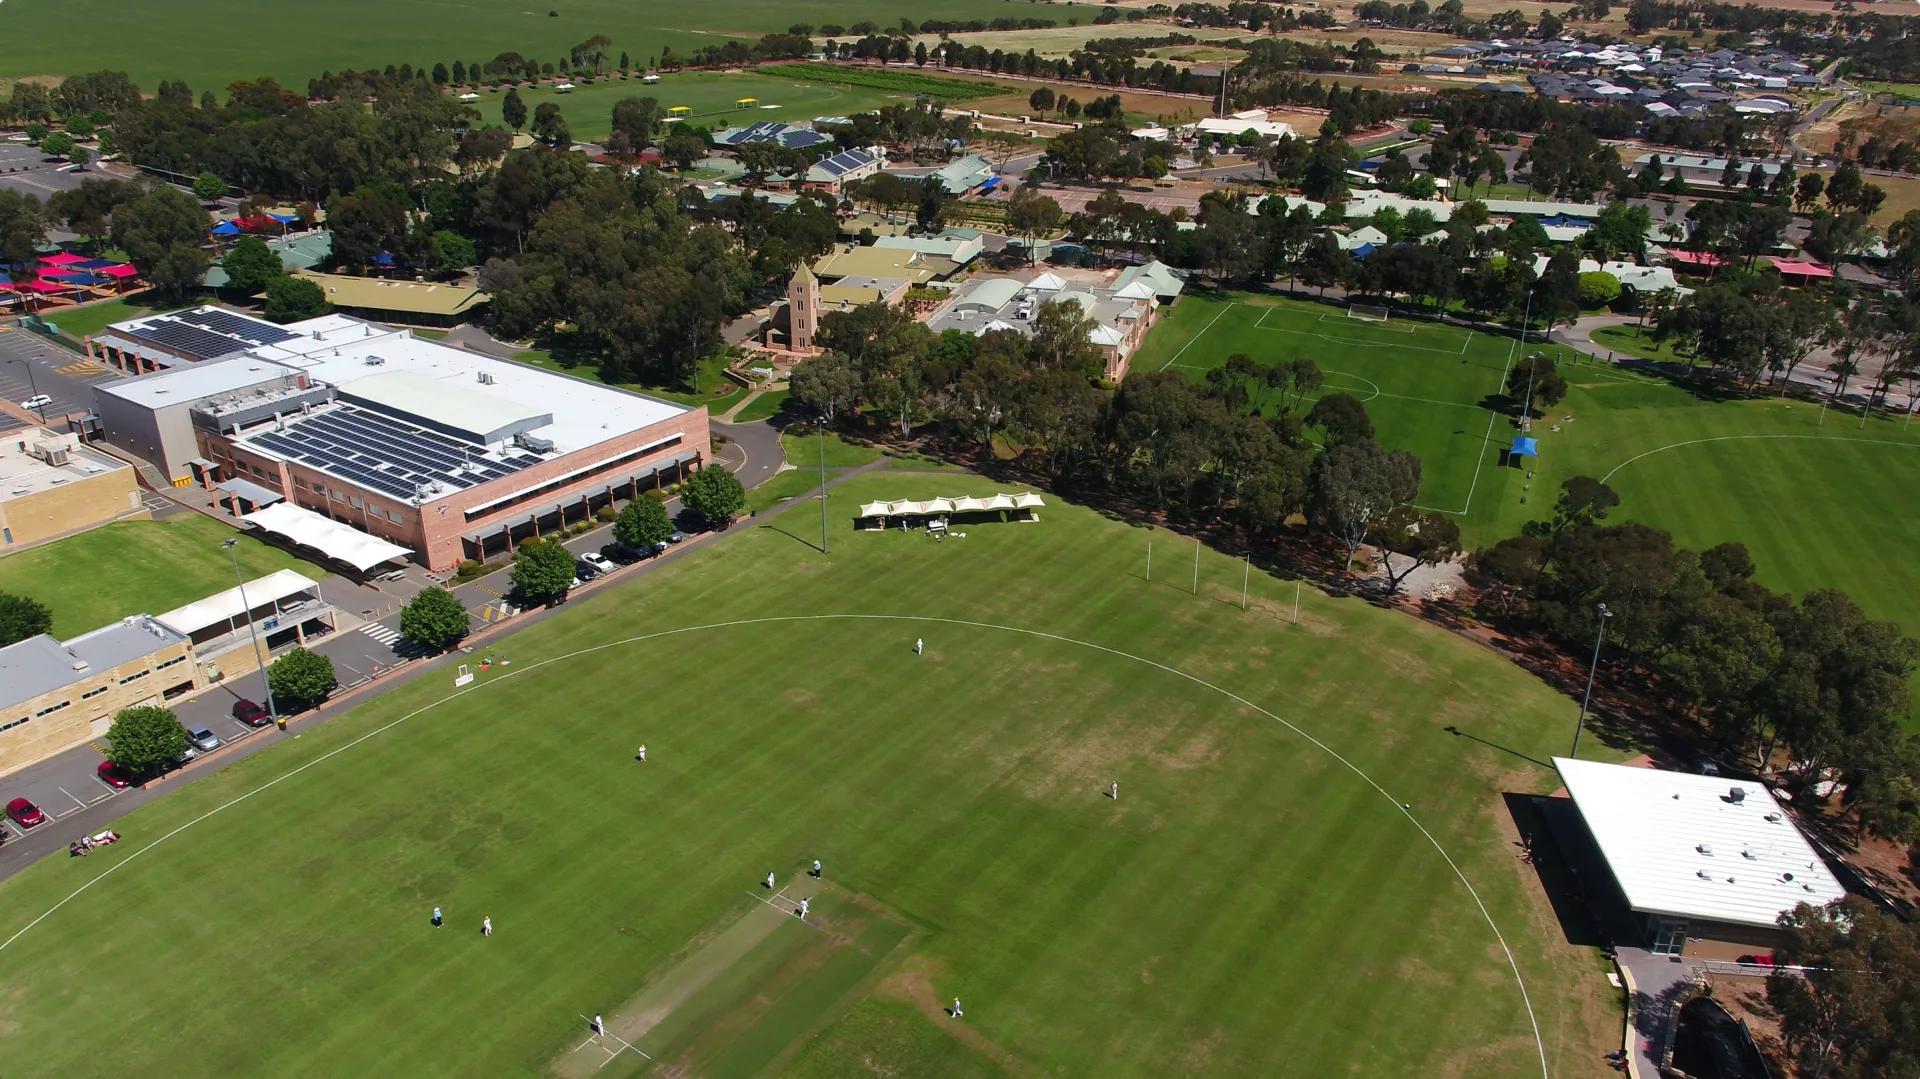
1114 793
956 1008
599 1026
816 867
918 644
803 910
438 921
486 926
643 753
768 883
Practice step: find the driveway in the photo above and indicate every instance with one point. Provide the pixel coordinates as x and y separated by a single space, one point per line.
32 364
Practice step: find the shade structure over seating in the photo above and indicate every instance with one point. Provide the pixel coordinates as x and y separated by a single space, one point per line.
1525 447
966 504
337 541
64 258
76 277
227 228
118 269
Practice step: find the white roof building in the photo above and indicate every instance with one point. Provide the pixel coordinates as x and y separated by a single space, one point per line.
1695 847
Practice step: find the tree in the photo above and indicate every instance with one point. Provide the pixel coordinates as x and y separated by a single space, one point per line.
440 74
1356 485
207 187
23 227
543 570
1031 214
642 523
513 110
634 122
433 619
1536 381
366 224
79 155
716 495
1598 288
1849 1012
250 264
550 127
301 676
162 232
1343 418
146 739
1428 539
452 252
22 617
57 143
291 299
683 150
827 385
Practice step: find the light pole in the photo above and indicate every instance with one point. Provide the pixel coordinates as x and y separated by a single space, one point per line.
253 630
822 428
40 408
1595 665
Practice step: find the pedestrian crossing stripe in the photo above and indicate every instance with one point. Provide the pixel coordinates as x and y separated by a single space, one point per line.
383 634
489 591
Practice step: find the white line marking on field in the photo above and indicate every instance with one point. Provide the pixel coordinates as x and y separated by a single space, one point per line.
1480 459
1731 438
1512 963
611 1053
1203 332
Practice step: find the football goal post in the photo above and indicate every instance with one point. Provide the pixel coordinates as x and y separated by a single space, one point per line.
1367 312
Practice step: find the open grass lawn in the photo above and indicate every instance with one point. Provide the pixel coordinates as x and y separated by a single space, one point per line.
1816 502
763 407
1249 906
87 321
790 484
802 445
135 567
710 94
210 43
718 392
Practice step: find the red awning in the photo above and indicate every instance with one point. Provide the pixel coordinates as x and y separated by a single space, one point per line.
63 259
1802 269
118 269
1694 258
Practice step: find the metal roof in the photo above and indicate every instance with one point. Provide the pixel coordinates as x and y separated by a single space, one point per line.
184 385
41 664
226 606
1693 846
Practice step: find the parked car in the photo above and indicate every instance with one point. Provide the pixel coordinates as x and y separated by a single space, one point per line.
660 546
600 563
25 813
114 776
203 739
676 537
38 400
622 555
251 714
584 570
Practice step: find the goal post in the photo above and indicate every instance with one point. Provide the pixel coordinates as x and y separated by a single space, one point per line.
1367 312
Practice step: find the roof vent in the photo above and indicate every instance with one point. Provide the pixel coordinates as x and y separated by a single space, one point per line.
1786 876
1749 855
1703 874
1706 849
1774 818
79 664
1736 795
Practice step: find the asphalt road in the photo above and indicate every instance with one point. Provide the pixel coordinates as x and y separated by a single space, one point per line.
30 363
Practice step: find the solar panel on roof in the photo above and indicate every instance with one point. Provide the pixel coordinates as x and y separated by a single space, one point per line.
188 340
253 330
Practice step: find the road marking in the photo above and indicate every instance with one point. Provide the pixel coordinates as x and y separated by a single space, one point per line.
385 634
75 797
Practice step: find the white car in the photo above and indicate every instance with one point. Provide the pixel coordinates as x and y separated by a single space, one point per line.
38 400
599 561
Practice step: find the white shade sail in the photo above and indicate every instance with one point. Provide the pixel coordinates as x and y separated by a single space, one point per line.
331 538
965 504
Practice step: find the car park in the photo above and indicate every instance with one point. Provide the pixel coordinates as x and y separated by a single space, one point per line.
600 563
38 400
622 555
25 813
203 739
113 775
584 570
251 714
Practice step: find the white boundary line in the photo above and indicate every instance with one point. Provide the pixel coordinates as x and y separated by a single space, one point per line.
1203 332
1480 459
1733 438
1404 810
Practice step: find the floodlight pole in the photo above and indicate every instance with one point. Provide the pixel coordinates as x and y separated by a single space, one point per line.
1196 567
253 630
1595 665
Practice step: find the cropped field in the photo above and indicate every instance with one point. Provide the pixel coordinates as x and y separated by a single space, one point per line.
1252 904
892 80
712 95
1815 500
210 43
136 567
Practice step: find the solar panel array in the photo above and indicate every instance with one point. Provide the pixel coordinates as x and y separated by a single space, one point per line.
385 455
844 162
249 330
206 334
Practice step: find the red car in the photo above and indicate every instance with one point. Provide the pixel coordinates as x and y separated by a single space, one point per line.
251 714
114 776
25 813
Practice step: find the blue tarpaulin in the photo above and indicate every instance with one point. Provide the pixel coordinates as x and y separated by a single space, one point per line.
1364 250
384 258
1525 447
226 228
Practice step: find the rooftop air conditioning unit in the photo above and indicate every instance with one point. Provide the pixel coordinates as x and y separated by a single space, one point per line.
486 379
1736 795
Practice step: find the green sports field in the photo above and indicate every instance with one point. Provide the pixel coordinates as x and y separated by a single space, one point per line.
210 43
1252 904
1819 502
711 95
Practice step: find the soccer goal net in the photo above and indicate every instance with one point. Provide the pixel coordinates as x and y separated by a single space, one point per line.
1367 312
